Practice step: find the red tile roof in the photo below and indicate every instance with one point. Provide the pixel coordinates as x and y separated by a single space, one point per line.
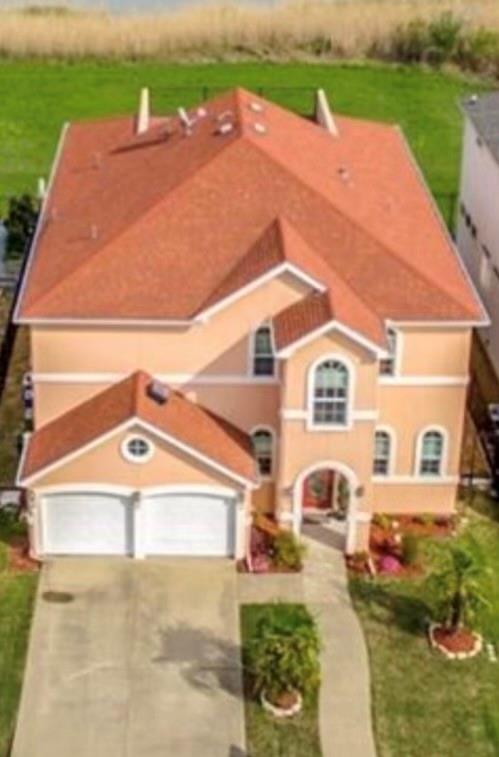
189 423
163 225
338 304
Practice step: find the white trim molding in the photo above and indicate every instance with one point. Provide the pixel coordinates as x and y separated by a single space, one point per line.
297 498
332 325
278 270
168 378
423 380
416 480
358 416
40 223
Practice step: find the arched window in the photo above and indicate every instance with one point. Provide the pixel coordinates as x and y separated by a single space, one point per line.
387 366
431 453
330 394
263 449
263 354
382 453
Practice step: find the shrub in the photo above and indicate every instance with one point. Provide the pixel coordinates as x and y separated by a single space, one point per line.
410 549
288 551
444 35
283 653
410 41
382 521
479 51
20 223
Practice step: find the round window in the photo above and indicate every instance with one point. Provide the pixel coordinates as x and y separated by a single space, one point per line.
137 449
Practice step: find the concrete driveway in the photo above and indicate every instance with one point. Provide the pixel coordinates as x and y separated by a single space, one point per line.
143 661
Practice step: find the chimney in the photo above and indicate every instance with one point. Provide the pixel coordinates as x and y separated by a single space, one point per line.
142 123
41 188
323 114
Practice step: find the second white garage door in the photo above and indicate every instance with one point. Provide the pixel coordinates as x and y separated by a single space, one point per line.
189 524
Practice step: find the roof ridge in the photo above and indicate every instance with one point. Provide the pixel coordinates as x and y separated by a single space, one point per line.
387 251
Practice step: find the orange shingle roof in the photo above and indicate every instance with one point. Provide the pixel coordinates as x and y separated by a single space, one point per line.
172 223
189 423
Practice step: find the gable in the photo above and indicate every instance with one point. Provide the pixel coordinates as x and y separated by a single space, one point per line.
104 463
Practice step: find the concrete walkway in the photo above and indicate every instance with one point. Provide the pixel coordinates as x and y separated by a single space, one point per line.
144 661
344 705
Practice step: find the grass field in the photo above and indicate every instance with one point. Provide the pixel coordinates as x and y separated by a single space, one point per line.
423 703
38 97
17 591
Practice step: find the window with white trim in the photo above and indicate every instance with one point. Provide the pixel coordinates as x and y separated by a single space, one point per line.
263 353
387 366
263 443
382 453
431 453
137 449
330 394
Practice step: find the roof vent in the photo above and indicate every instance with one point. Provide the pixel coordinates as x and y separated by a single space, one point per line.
260 128
256 107
201 112
225 128
224 114
344 174
186 121
473 99
158 392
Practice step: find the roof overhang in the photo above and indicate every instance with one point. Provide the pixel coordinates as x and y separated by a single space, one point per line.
341 328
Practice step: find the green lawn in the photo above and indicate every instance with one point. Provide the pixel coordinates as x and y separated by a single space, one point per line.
266 736
423 703
17 591
38 97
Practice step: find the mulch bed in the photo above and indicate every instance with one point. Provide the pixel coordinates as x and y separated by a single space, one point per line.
462 644
18 558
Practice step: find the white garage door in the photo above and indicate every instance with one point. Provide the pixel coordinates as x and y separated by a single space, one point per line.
189 524
93 523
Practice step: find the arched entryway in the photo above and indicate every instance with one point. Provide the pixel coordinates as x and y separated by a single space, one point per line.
330 488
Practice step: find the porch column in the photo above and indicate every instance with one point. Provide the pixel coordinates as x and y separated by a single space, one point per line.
138 526
242 524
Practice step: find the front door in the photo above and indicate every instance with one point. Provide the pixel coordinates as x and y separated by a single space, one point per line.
318 490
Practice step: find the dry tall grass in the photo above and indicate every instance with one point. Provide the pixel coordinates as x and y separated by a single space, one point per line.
350 28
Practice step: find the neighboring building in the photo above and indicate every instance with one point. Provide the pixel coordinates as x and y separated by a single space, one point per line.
293 292
478 221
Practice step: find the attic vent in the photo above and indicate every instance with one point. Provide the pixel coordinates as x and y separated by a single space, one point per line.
255 107
260 128
225 128
158 392
224 114
344 174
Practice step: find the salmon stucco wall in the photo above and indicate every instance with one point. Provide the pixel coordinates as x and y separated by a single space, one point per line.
104 463
218 347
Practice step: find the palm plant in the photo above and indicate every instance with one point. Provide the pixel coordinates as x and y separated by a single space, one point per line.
283 653
457 587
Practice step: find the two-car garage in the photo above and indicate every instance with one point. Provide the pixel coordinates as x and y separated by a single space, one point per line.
175 521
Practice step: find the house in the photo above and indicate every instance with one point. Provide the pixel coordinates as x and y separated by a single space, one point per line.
478 224
232 310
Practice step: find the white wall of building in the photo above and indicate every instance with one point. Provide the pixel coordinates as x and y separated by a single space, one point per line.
478 228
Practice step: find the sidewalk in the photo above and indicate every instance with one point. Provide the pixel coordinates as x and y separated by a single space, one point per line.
344 706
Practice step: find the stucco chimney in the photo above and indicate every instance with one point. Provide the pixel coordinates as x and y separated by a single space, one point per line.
323 114
143 115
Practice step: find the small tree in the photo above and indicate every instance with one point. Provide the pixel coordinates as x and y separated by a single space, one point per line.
283 653
457 587
20 223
